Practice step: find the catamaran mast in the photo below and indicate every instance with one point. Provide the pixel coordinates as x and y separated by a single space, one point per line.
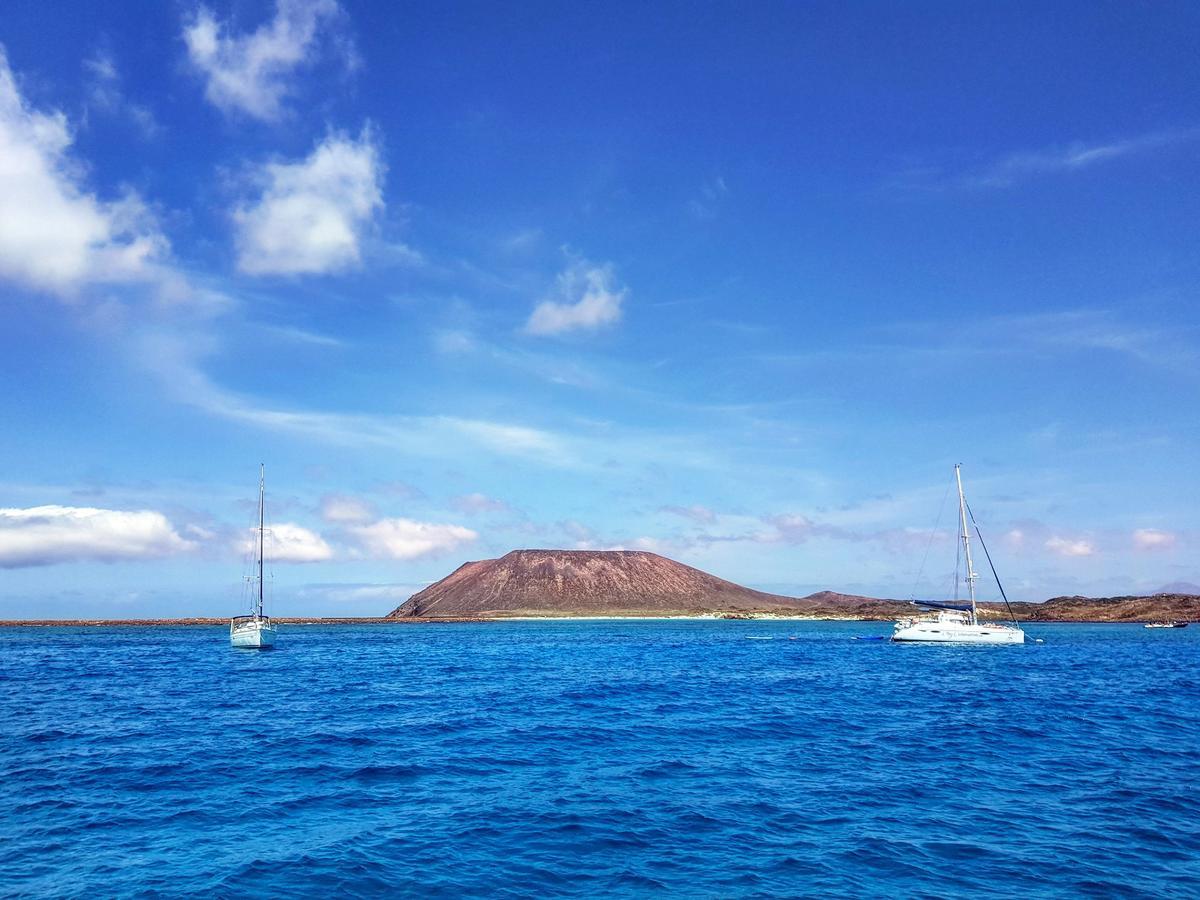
261 498
966 539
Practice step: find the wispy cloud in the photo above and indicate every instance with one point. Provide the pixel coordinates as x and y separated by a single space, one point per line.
174 360
696 513
1073 157
706 204
476 503
1046 334
339 508
105 93
250 73
1026 165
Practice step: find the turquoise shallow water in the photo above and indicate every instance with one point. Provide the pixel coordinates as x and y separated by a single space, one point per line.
619 758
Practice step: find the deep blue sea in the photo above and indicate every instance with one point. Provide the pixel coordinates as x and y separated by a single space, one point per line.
705 759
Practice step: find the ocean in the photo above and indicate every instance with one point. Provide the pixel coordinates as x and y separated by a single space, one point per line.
616 758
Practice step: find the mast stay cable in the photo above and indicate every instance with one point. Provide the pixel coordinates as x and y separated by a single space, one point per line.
992 565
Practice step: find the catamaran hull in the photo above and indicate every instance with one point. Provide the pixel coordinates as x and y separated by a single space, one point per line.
262 638
946 633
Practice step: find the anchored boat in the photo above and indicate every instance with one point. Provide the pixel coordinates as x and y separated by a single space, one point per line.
255 631
955 622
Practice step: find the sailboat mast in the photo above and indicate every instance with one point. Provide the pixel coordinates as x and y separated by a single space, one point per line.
966 539
261 531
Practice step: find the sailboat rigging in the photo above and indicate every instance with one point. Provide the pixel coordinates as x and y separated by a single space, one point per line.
256 631
957 622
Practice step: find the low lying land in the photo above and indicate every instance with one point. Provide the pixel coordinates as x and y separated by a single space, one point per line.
826 606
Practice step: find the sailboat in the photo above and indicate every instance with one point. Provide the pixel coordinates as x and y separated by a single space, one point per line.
958 623
255 631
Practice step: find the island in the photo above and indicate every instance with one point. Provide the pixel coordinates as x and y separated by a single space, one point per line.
636 583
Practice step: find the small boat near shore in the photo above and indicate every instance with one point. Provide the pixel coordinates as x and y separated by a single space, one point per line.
255 631
1165 625
958 622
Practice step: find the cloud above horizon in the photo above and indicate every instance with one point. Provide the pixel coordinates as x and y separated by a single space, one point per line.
55 235
1153 539
339 508
588 297
1068 547
311 216
407 539
45 535
249 73
287 542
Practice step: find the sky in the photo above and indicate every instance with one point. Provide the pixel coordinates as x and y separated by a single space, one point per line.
737 284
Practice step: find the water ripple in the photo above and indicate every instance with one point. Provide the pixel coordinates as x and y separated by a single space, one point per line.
625 759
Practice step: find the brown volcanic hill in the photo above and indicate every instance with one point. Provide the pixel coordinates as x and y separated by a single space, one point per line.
586 582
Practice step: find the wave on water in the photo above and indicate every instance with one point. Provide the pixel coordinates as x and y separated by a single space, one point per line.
606 757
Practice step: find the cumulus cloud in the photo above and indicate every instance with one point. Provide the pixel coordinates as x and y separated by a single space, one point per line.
249 73
407 539
478 503
1067 547
340 508
55 236
588 297
1153 539
43 535
287 542
311 215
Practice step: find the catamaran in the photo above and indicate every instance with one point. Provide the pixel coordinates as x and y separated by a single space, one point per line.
956 622
255 631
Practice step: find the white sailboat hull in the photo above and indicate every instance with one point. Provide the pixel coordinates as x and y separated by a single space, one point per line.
935 632
253 635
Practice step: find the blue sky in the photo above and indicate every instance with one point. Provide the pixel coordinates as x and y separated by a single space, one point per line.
734 284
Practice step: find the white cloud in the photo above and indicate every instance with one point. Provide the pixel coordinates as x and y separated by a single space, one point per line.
55 236
1153 539
43 535
340 508
406 539
1066 547
478 503
248 73
589 298
311 215
288 542
1072 157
